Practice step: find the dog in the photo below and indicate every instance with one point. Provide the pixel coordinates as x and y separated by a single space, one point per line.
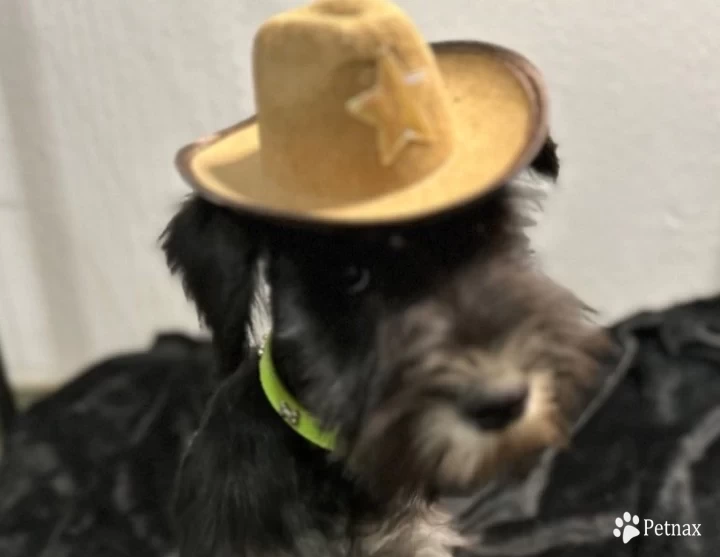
440 353
8 406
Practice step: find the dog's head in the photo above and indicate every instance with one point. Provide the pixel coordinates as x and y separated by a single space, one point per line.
439 351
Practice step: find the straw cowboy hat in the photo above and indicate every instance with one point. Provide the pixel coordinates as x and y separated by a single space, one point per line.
361 122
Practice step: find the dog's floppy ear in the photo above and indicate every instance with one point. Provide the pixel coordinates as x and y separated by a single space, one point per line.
8 407
547 162
213 250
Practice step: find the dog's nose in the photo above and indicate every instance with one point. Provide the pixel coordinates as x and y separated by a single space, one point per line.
495 411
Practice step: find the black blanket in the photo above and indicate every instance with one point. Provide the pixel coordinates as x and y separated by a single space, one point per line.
88 471
649 445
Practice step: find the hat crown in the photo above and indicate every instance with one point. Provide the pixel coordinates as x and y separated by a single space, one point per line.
341 7
350 101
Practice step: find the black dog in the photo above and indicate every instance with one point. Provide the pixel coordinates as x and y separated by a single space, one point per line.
8 408
439 354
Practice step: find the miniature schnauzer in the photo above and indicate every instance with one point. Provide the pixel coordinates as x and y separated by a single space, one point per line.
438 352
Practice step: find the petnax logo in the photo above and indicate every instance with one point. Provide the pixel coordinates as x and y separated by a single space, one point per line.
629 528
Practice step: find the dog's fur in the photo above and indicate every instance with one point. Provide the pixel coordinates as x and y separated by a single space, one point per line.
8 407
439 352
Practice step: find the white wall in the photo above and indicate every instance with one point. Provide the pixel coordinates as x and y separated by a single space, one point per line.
95 97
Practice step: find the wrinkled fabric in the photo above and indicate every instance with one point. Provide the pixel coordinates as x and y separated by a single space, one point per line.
89 470
648 445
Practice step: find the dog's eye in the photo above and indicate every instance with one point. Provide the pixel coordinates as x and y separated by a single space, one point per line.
356 279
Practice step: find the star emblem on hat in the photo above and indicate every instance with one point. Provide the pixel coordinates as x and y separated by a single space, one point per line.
393 108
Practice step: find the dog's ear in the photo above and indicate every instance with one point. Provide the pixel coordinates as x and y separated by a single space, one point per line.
547 162
8 407
216 255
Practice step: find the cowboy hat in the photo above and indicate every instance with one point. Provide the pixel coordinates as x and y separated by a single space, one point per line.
360 121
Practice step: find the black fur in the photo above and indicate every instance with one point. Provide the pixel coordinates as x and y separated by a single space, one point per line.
8 407
358 320
547 162
217 260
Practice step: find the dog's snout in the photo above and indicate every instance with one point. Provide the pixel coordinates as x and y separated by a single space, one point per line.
493 411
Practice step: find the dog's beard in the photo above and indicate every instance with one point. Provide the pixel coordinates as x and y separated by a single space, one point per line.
467 455
420 442
438 449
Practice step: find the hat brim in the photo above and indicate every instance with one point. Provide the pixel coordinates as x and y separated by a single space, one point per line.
499 107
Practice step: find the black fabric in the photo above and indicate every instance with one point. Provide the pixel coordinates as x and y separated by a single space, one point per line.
649 445
88 471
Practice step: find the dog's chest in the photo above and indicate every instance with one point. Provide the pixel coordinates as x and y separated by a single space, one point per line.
420 534
428 534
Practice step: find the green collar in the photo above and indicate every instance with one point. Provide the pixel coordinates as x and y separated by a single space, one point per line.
287 407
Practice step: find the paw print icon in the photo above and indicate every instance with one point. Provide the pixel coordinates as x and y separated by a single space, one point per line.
627 527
